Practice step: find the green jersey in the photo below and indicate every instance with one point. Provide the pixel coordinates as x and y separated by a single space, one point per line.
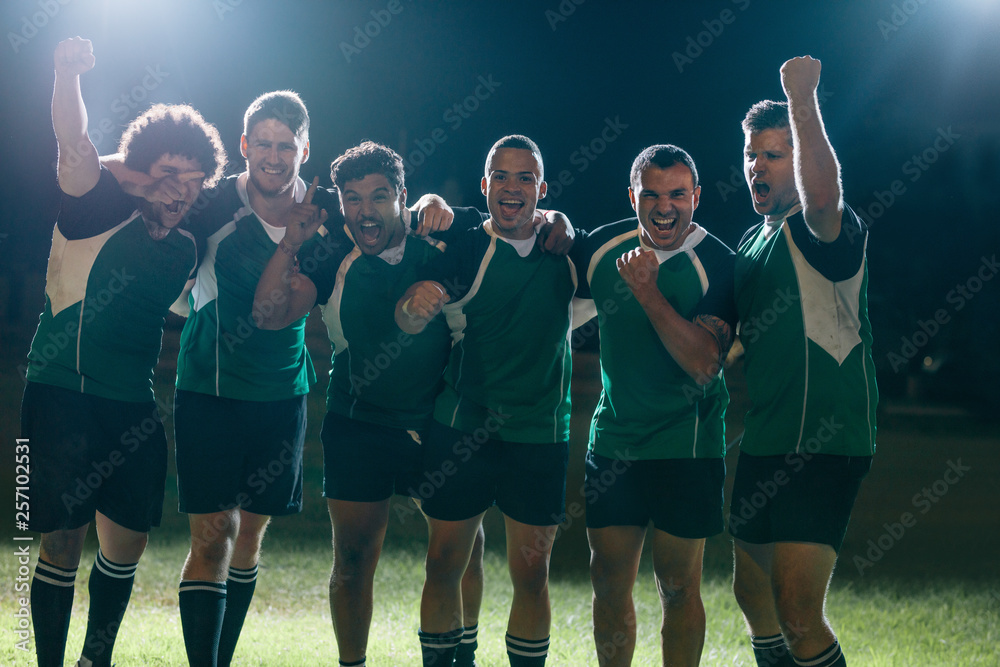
222 351
380 374
803 309
650 408
108 287
509 314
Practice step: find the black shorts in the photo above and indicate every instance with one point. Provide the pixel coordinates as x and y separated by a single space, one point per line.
463 477
795 497
682 497
89 454
365 462
235 453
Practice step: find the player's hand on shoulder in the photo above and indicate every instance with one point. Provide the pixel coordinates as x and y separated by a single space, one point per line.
555 233
800 76
639 268
74 56
304 218
433 215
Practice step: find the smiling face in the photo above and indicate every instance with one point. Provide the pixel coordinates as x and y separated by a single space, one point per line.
769 171
372 210
665 201
170 165
513 185
274 155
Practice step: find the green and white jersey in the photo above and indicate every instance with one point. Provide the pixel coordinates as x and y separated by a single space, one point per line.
381 374
650 408
222 352
108 287
509 314
803 308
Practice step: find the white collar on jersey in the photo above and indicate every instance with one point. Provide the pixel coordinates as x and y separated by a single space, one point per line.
276 233
771 226
693 239
394 255
521 246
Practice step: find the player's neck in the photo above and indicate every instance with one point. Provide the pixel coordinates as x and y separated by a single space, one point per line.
271 209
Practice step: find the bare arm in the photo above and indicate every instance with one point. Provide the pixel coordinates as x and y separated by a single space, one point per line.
698 347
555 232
139 184
284 295
78 167
817 173
433 215
419 305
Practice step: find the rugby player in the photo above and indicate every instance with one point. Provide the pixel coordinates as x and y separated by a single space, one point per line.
801 282
97 445
657 439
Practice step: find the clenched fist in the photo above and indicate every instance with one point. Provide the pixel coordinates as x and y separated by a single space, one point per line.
74 56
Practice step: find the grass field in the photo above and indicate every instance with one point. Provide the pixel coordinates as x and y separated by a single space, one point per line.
880 623
924 593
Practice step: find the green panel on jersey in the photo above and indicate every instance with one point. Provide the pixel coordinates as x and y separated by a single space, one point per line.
108 343
511 362
222 351
650 408
381 374
804 397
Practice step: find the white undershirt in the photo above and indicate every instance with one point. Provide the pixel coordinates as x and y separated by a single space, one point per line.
522 246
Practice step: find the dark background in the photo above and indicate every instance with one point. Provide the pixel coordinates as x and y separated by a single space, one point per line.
897 77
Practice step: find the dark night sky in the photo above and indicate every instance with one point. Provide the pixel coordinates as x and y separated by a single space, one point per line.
897 76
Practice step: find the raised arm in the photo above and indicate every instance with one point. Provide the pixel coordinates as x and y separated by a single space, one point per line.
817 173
283 294
78 168
698 347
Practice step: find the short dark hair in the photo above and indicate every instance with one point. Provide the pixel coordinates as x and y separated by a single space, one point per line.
662 156
766 115
284 106
368 158
518 141
173 129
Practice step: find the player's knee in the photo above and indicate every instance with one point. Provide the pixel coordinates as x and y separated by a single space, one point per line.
125 548
444 565
354 558
797 607
62 548
677 592
530 579
213 553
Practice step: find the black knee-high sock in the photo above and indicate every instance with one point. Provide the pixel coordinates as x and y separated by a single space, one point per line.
465 655
771 651
438 648
202 604
831 656
51 607
239 592
110 588
527 652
